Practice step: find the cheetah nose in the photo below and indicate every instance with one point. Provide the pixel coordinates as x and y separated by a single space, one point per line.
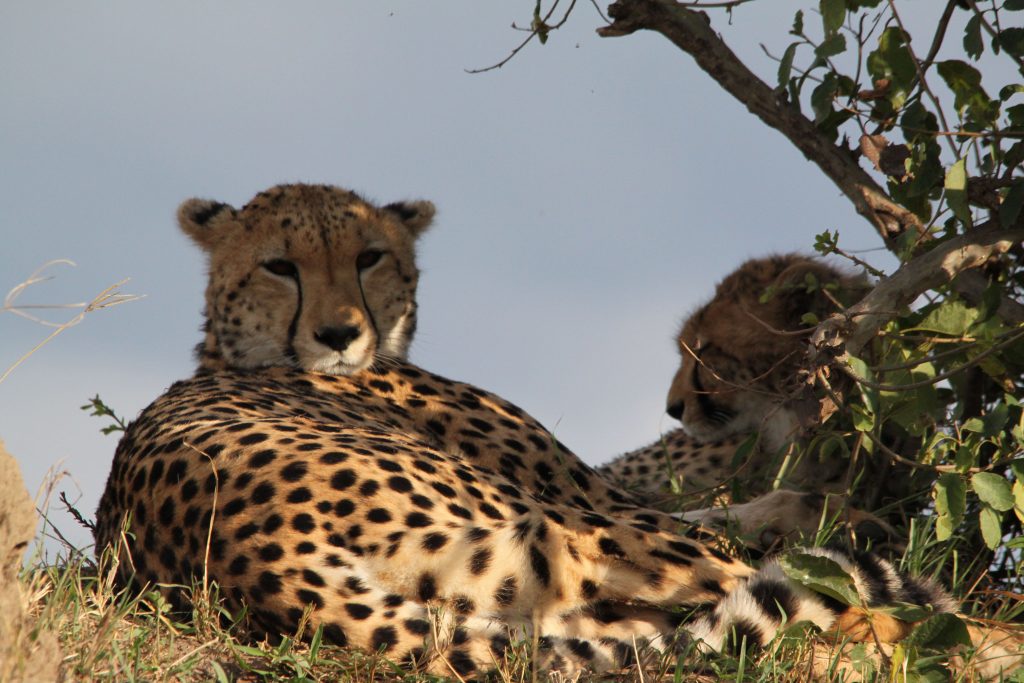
337 338
675 410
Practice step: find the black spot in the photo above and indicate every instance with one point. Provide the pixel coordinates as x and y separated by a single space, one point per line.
244 532
312 578
419 627
580 648
539 563
308 597
611 547
271 552
239 565
270 583
358 610
234 507
427 589
400 484
588 589
393 600
743 629
305 548
774 598
166 512
597 520
343 479
684 548
444 489
460 511
388 465
383 638
188 491
263 493
294 471
480 561
506 593
421 501
670 557
334 634
303 523
333 457
463 605
378 515
369 488
417 520
344 508
434 541
254 438
176 472
272 524
303 495
491 511
461 662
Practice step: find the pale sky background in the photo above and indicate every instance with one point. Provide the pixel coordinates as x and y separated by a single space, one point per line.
590 193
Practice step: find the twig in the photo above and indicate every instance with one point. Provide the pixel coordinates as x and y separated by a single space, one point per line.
536 28
937 378
928 271
107 298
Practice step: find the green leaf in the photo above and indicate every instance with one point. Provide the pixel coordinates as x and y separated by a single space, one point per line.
941 631
990 522
892 60
952 317
950 502
1013 5
1012 40
832 46
1008 91
993 490
1012 203
965 82
822 96
972 37
995 419
821 575
1018 499
956 191
833 12
786 64
798 23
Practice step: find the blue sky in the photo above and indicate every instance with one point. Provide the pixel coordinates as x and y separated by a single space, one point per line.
590 193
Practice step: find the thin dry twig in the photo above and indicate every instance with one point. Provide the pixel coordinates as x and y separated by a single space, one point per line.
108 298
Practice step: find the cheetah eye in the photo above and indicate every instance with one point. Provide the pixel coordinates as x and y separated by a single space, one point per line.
280 266
368 258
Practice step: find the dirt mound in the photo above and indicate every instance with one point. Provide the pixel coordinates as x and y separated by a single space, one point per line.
26 654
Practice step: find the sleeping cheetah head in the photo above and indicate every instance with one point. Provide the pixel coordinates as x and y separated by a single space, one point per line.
742 351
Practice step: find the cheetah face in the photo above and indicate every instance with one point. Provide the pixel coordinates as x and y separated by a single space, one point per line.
307 276
716 394
741 353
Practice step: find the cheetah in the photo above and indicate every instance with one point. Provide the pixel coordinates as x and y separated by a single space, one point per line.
319 478
740 360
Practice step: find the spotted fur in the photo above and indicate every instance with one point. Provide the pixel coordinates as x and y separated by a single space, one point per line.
414 515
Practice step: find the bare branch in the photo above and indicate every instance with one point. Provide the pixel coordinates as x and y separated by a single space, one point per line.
691 32
858 324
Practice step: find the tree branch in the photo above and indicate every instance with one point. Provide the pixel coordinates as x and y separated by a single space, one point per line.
857 325
691 32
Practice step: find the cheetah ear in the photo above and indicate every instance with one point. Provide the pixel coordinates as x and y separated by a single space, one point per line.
200 220
416 216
